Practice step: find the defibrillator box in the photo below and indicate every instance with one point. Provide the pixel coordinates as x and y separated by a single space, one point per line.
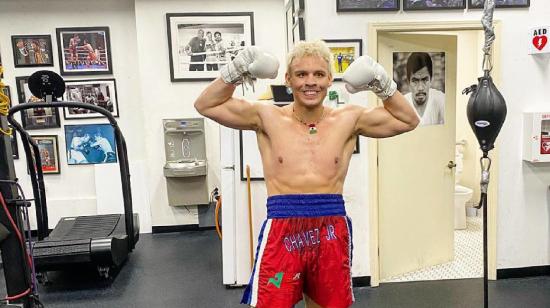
536 136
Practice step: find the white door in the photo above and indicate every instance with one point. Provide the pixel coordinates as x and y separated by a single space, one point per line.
416 182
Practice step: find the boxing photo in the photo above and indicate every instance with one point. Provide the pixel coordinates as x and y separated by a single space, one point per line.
35 118
84 51
90 144
201 44
32 50
420 76
49 153
344 52
97 92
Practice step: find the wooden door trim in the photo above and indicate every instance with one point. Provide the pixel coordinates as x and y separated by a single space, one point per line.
374 29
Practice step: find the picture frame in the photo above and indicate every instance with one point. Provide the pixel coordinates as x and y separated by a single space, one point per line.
48 148
299 30
14 145
38 118
289 18
89 144
84 51
367 5
32 50
195 57
97 92
344 52
418 5
478 4
2 71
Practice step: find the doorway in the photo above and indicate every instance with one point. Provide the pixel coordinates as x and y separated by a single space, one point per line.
412 226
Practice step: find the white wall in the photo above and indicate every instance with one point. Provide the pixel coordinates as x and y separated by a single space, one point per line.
73 192
523 228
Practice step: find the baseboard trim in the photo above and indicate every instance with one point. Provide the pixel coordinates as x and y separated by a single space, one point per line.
361 281
523 272
179 228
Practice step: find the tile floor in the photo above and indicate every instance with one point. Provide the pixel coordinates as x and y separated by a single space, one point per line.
468 261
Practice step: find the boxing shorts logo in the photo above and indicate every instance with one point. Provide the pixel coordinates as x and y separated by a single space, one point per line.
277 280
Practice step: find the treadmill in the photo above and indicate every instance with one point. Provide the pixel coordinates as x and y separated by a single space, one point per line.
103 241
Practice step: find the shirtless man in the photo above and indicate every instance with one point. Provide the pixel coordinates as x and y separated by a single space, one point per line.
305 243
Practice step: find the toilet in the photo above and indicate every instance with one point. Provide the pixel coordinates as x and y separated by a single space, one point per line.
462 194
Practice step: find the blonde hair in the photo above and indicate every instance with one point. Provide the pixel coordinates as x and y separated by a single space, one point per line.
315 48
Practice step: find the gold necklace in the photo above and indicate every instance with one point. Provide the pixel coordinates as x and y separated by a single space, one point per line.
312 126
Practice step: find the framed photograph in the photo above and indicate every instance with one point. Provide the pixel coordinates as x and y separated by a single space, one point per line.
14 147
289 18
84 51
420 76
299 30
36 118
344 52
90 144
97 92
412 5
199 44
2 72
366 5
32 50
478 4
49 153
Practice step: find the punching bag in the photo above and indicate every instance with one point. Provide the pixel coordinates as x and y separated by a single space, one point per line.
486 112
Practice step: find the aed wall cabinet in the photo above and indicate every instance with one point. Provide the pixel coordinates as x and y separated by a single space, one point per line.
536 136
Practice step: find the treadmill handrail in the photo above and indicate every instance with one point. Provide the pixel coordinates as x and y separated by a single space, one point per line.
38 177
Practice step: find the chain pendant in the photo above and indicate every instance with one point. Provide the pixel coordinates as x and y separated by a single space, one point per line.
312 129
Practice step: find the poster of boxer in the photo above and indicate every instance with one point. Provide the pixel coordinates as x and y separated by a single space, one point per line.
420 76
200 44
90 144
367 5
478 4
84 51
35 118
97 92
32 50
49 153
344 52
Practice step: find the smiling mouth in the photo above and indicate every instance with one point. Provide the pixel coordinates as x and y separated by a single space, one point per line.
310 92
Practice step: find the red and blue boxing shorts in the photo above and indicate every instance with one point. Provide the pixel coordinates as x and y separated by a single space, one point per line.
305 247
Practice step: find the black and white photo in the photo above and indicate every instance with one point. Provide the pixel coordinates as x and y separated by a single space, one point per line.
98 92
420 76
366 5
35 118
200 44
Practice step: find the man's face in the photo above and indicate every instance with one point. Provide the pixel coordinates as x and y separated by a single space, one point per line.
218 37
209 35
200 34
420 84
309 77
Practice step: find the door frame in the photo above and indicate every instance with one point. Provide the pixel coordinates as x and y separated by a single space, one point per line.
374 29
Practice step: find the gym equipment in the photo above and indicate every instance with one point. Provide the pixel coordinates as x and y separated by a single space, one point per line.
486 113
101 240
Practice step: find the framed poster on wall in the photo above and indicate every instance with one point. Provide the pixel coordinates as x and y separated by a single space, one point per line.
96 92
32 50
35 118
366 5
199 44
344 52
412 5
84 51
49 153
478 4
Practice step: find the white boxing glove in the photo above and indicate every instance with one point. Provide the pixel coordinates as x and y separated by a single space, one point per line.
252 61
366 74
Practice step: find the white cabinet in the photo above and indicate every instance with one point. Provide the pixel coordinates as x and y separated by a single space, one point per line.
536 136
